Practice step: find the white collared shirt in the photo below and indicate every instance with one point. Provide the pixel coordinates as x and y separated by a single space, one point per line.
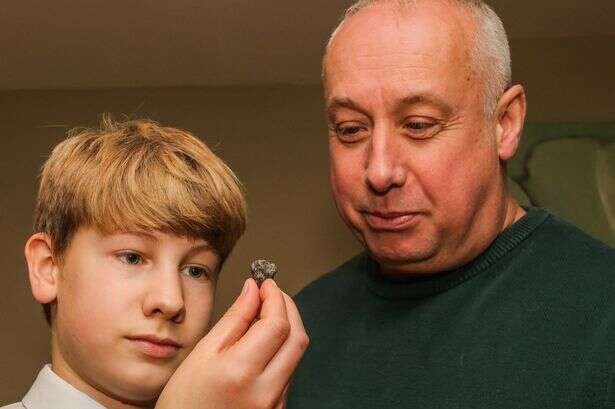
49 391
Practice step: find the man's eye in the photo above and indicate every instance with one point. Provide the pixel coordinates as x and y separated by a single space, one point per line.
421 129
131 258
350 133
419 126
348 130
195 272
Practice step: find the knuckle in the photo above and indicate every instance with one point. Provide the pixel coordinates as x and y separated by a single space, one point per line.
238 315
303 341
279 328
240 377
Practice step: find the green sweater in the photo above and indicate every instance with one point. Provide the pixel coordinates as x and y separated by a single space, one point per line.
528 324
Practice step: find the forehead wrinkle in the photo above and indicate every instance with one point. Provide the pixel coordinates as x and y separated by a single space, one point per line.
396 83
401 48
381 68
337 102
348 93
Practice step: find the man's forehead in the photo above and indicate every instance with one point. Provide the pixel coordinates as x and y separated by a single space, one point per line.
419 52
401 12
380 35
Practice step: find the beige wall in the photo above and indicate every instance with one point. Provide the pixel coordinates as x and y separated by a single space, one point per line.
274 138
568 79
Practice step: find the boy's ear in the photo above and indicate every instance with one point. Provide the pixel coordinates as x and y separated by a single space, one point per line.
42 268
510 116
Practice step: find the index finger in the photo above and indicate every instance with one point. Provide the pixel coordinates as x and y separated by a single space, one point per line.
236 321
273 303
263 340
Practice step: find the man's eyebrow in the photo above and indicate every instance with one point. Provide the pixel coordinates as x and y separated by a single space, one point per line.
422 99
335 103
419 99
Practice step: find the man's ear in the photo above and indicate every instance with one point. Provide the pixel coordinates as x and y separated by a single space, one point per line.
510 116
42 268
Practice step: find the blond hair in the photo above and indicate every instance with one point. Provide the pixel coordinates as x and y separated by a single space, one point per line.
490 51
138 176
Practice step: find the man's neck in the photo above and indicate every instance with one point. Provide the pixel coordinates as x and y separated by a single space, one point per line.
514 212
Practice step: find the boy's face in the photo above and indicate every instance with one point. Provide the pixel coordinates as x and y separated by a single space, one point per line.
129 310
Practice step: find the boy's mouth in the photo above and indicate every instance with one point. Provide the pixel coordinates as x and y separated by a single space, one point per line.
155 346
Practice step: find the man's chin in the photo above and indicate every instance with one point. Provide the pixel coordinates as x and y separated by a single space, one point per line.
410 260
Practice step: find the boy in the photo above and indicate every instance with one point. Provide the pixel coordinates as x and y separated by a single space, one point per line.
133 222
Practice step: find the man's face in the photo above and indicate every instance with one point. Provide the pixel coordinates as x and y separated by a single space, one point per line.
129 310
414 162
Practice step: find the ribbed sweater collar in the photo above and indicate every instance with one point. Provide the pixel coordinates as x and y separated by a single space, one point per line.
510 238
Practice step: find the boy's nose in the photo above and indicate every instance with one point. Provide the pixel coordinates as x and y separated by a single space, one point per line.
165 296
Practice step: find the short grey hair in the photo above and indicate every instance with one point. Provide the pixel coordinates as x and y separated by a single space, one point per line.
490 50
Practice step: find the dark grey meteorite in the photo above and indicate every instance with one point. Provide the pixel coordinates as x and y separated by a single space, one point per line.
262 270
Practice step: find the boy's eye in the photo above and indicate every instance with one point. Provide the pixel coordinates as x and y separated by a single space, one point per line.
131 258
194 271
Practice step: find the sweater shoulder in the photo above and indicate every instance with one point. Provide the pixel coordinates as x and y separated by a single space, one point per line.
346 280
341 275
565 241
564 261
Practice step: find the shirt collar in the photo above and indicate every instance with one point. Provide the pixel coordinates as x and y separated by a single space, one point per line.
49 391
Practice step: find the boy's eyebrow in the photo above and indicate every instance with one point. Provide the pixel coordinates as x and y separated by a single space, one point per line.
144 235
196 247
200 246
139 234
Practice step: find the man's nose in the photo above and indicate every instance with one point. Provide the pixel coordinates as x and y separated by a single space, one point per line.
385 168
165 295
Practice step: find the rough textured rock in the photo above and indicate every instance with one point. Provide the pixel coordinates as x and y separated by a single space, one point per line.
262 270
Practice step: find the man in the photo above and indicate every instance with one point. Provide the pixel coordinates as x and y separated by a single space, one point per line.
463 298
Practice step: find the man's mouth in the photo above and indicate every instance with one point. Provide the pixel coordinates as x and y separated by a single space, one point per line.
155 346
390 221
